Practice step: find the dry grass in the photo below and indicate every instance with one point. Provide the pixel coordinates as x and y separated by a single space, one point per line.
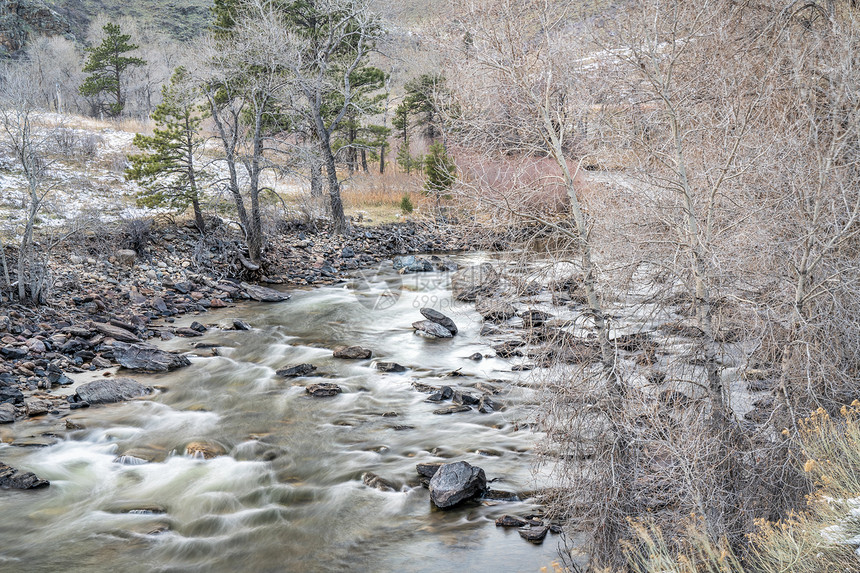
378 197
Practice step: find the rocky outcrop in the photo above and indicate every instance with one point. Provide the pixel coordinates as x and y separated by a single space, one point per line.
21 21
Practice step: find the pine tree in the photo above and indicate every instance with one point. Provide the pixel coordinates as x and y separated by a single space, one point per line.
107 65
168 169
439 169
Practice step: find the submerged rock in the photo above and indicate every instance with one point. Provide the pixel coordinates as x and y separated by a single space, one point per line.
352 353
113 390
439 318
16 479
147 358
431 329
390 367
456 482
296 371
323 389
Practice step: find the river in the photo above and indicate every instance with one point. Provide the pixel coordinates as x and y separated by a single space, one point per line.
288 496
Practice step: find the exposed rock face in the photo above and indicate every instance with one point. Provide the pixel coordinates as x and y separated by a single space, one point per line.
24 20
352 353
472 282
146 358
431 329
113 390
15 479
456 482
439 318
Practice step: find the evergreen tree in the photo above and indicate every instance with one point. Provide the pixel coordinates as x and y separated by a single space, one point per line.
439 169
168 169
107 65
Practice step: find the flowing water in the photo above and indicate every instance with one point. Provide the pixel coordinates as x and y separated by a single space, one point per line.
288 496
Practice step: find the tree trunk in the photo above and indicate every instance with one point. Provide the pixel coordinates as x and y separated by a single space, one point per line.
382 159
316 178
364 161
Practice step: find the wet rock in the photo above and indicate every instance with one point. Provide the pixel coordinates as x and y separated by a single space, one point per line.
390 367
485 405
510 521
10 394
431 329
495 310
111 390
7 413
37 407
487 388
370 479
240 324
439 318
533 318
352 353
509 349
533 534
197 327
187 332
454 409
477 357
15 479
204 450
478 280
264 294
323 390
456 482
464 398
115 332
146 358
296 371
411 264
429 469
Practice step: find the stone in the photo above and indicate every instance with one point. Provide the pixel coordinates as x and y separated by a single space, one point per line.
486 406
146 358
456 482
429 469
352 353
510 521
16 479
126 257
439 318
464 398
296 370
495 310
264 294
111 390
533 534
347 253
390 367
204 450
323 390
411 264
115 332
11 395
430 329
477 357
187 332
454 409
37 407
509 349
36 345
7 413
240 324
478 280
370 479
197 326
533 318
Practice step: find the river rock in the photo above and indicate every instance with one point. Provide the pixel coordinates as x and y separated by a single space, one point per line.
456 482
7 413
240 324
296 371
352 353
264 294
37 407
533 318
204 450
10 394
510 521
370 479
509 348
323 389
146 358
430 329
126 257
464 398
439 318
428 469
495 310
453 409
486 406
390 367
111 390
411 264
534 534
115 332
478 280
15 479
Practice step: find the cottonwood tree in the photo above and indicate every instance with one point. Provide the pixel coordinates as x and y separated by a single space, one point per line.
108 65
169 167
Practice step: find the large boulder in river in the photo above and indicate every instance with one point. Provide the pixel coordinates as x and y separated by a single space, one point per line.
456 482
352 352
439 318
431 329
15 479
146 358
411 264
472 282
113 390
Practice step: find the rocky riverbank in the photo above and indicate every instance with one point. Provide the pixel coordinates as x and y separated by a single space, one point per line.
107 302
